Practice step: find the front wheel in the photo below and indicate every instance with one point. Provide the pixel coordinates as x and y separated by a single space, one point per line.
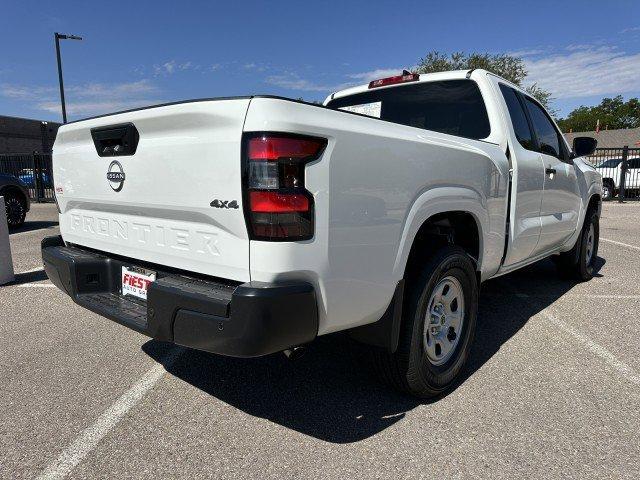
607 191
438 326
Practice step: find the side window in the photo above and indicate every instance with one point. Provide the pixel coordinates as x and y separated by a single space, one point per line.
548 136
633 163
611 163
518 117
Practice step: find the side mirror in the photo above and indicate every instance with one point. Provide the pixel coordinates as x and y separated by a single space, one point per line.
583 146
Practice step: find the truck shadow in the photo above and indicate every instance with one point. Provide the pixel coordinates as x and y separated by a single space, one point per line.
331 393
29 226
30 277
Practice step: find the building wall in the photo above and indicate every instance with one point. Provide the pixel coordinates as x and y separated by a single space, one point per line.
23 135
611 138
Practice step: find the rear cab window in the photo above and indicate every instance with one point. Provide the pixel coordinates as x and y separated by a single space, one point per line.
454 107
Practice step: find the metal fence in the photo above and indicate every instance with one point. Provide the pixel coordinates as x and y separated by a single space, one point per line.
620 169
34 169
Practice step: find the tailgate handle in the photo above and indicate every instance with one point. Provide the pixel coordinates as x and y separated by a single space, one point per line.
116 140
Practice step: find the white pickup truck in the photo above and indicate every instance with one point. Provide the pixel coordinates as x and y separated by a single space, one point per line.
248 226
611 171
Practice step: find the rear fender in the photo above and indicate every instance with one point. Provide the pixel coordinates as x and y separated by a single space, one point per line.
441 200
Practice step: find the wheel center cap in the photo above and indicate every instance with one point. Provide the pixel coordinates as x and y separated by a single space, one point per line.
438 319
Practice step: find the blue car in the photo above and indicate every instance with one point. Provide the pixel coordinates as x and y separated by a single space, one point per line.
28 177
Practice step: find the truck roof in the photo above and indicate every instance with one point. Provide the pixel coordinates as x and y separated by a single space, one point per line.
424 77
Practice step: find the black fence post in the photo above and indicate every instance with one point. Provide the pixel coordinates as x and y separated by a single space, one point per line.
623 172
44 138
37 177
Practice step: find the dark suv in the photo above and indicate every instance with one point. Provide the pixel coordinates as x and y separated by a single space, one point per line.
16 199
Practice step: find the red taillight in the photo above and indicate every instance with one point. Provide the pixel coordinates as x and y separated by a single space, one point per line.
277 206
275 148
404 78
274 202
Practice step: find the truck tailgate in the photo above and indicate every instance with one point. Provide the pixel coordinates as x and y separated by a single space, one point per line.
155 204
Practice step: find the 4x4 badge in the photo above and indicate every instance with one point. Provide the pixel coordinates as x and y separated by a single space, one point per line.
224 204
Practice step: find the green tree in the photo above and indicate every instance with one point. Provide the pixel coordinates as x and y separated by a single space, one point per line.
509 67
613 113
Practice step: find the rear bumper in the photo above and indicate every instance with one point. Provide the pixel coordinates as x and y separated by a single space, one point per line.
240 320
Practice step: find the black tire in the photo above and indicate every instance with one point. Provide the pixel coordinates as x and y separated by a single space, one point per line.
409 369
16 208
578 263
607 191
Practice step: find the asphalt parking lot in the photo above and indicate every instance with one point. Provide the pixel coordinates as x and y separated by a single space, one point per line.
552 389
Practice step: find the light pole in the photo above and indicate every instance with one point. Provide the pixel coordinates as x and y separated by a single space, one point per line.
58 37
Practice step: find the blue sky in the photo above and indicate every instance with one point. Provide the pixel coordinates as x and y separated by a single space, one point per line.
137 53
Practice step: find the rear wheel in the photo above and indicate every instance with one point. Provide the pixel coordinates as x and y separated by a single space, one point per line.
438 325
16 209
607 191
579 262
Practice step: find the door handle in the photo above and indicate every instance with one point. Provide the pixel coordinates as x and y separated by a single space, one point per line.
550 171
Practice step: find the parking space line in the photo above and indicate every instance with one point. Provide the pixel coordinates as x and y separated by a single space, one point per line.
89 438
622 368
573 295
37 285
601 295
634 247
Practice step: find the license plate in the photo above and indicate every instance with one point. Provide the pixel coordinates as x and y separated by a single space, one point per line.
135 281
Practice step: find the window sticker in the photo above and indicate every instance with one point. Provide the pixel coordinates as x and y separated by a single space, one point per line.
369 109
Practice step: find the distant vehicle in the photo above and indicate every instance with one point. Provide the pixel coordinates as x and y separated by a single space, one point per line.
29 178
611 171
252 225
16 199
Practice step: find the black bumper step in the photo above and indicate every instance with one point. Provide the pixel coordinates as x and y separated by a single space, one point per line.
112 305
